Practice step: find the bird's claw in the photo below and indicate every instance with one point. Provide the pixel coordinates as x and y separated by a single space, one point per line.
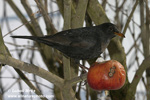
83 68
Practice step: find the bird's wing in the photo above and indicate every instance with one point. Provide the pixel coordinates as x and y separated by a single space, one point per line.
83 43
57 39
73 38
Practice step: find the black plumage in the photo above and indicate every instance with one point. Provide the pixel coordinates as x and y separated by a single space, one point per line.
81 43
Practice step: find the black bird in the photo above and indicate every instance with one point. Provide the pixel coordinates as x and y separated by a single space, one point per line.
81 43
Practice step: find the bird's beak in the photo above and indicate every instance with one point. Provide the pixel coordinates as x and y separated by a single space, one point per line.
119 34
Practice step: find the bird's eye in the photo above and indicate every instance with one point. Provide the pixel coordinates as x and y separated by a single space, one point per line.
111 28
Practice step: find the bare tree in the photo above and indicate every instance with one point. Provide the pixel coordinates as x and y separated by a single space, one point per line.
61 71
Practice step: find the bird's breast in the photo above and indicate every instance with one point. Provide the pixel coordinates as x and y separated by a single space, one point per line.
104 45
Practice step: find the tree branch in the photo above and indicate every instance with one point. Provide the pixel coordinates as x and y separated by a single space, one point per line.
4 50
67 25
30 68
49 26
79 15
67 91
138 75
20 15
27 81
96 12
77 79
37 28
129 18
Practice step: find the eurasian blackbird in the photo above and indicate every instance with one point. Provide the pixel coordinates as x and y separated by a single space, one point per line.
81 43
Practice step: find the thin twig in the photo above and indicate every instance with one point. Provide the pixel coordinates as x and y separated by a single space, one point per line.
129 18
25 24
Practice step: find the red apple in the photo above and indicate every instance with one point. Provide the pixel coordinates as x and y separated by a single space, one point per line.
108 75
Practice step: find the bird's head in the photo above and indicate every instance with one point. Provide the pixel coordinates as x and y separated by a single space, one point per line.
111 30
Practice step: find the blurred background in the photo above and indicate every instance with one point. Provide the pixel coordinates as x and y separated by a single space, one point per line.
132 18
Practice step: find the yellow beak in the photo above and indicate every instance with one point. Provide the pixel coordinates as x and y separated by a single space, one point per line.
119 34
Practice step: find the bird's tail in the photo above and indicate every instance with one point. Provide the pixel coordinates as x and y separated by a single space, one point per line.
35 38
26 37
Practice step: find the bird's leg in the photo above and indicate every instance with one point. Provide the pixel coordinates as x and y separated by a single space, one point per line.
83 67
76 61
